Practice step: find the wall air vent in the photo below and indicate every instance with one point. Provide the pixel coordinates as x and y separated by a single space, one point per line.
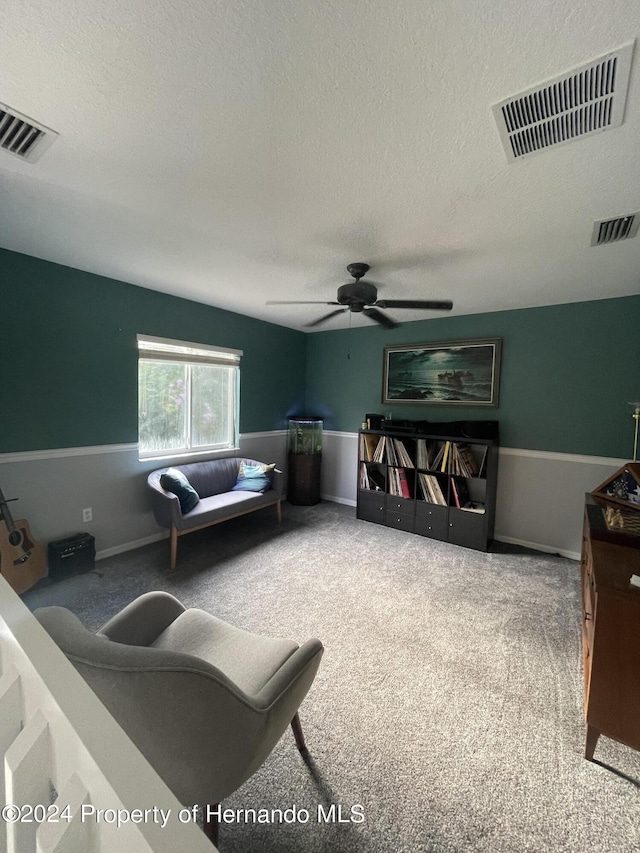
581 102
613 230
22 136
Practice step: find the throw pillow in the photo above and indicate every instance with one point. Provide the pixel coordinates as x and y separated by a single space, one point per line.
254 478
175 482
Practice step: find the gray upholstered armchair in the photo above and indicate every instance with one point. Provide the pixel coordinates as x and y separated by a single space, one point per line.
205 702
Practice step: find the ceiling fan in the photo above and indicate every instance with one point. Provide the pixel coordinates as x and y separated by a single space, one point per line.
361 297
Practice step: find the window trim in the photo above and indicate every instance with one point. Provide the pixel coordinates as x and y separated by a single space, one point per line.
155 349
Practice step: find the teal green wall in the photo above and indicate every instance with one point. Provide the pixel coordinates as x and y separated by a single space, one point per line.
69 364
69 356
567 374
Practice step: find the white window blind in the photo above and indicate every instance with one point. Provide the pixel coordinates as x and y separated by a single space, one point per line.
165 349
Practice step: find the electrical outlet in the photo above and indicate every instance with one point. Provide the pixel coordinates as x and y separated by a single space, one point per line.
87 514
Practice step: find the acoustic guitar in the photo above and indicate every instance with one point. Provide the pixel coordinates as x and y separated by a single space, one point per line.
22 559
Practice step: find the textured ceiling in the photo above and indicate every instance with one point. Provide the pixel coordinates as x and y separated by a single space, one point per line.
237 151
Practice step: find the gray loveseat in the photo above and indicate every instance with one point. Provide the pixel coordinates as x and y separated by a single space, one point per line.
213 480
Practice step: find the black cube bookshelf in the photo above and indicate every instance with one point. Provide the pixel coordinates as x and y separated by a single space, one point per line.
437 481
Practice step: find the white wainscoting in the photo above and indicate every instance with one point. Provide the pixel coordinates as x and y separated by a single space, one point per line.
540 495
539 503
54 486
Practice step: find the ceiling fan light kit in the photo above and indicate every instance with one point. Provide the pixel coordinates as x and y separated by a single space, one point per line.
361 297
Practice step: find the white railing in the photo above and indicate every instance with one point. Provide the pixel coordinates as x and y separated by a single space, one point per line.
72 781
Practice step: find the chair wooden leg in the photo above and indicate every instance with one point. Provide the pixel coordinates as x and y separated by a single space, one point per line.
297 733
211 826
279 511
174 545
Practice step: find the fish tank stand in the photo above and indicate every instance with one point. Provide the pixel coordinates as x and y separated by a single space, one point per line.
305 460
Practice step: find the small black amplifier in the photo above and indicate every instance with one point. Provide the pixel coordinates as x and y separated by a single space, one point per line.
72 555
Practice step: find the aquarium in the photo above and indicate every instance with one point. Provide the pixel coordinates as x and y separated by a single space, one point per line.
305 459
305 435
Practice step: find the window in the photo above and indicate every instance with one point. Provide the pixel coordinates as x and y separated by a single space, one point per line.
187 397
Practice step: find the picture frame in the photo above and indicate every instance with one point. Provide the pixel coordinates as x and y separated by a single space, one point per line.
444 373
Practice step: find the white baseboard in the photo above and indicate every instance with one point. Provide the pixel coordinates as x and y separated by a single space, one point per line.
336 500
157 537
130 546
536 546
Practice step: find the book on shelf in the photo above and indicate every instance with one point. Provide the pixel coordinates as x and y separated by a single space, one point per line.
393 483
378 454
404 485
462 461
425 453
455 462
445 456
437 490
431 489
397 483
436 461
440 498
449 458
402 454
368 444
364 476
470 461
459 491
424 490
454 492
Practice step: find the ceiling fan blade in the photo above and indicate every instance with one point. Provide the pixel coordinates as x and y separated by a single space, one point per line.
427 304
290 302
379 317
326 316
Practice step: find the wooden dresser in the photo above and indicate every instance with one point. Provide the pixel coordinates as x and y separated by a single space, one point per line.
610 632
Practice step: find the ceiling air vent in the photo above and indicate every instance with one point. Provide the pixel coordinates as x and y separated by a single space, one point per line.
581 102
613 230
23 137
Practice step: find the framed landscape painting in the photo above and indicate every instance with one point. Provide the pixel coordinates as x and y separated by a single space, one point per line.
451 373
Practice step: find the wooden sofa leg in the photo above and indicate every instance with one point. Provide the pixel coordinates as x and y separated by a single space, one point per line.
279 511
174 545
297 733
